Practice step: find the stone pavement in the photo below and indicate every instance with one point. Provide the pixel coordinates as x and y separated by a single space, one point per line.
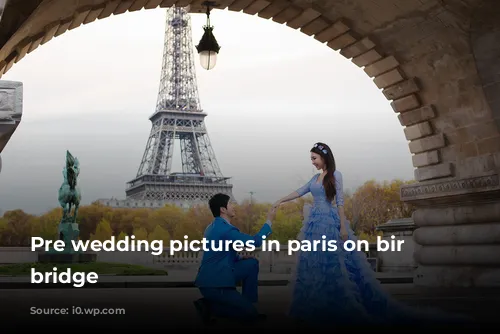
173 308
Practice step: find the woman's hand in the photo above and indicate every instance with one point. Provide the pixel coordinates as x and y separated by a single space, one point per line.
343 232
276 204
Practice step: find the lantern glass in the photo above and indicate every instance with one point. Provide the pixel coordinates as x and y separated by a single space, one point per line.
208 59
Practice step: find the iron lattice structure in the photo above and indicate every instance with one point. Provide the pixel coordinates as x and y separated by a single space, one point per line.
178 116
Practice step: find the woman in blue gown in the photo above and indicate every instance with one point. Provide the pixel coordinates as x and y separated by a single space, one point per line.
339 287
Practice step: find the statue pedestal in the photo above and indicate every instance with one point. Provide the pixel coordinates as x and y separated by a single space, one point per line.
68 231
402 261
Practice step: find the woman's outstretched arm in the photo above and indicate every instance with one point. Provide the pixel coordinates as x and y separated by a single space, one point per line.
287 198
306 188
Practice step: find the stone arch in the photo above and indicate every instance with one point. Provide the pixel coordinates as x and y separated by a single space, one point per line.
401 88
485 38
426 60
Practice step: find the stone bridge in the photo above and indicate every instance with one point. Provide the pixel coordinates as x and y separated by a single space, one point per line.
437 63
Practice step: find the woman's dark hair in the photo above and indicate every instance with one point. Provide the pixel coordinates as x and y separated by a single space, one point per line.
329 180
218 201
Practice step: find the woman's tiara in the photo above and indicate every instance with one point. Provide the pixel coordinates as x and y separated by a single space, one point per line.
321 148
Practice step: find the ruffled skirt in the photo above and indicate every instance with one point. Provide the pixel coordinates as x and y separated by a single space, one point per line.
340 288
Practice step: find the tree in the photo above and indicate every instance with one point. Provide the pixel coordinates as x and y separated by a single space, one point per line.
170 218
19 227
375 203
141 233
4 232
103 231
287 223
372 204
197 219
159 233
46 226
248 214
121 236
88 219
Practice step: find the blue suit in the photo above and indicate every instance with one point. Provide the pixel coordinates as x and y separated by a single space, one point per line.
221 270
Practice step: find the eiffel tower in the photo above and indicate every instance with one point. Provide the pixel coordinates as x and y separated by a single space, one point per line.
179 116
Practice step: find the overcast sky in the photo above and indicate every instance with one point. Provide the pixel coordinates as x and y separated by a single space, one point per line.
272 95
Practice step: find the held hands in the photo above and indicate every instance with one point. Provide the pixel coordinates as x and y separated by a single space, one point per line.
276 204
271 214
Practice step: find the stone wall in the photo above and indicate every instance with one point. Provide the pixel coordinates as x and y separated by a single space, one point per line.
11 109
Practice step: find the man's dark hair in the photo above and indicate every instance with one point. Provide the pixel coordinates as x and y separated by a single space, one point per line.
218 201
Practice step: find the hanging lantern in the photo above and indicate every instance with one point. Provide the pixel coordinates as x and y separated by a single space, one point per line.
208 48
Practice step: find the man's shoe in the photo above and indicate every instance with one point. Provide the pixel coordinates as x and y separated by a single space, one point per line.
203 310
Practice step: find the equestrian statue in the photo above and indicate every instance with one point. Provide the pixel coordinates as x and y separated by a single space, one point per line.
69 197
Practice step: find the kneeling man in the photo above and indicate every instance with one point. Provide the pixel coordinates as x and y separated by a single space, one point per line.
221 269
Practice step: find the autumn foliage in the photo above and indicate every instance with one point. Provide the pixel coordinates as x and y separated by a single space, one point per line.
372 204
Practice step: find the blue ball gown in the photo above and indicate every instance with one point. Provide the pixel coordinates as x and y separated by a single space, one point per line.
339 287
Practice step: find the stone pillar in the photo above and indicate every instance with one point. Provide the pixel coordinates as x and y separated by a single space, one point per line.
401 229
458 234
11 108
